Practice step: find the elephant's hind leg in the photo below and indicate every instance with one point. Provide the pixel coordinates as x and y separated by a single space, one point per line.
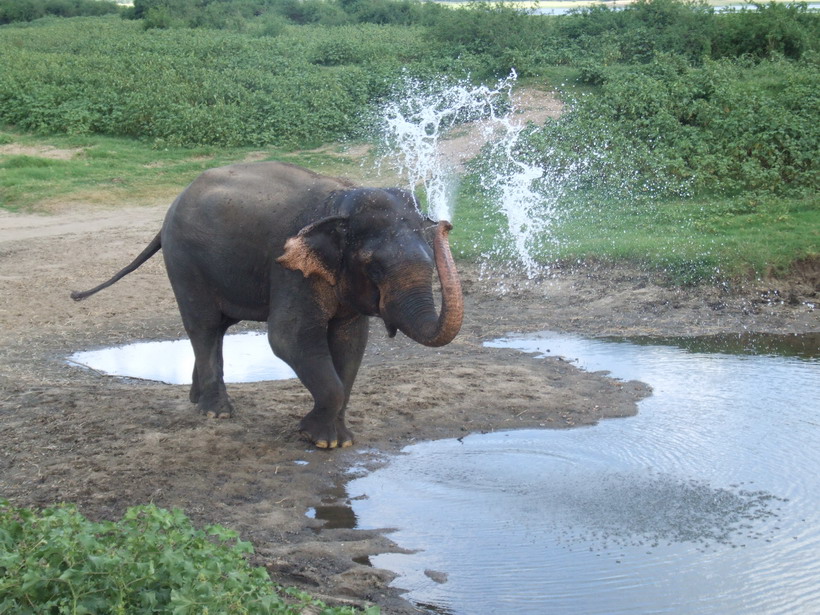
208 386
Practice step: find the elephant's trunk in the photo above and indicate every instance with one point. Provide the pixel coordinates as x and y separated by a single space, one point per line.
419 320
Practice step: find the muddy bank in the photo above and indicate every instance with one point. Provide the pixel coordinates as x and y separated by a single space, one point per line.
106 443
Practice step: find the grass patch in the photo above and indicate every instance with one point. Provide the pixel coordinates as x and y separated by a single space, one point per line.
689 241
39 174
92 170
695 241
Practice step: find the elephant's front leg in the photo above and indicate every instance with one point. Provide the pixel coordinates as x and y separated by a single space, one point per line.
308 354
347 340
324 425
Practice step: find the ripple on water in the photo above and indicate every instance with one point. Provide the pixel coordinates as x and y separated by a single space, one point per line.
706 502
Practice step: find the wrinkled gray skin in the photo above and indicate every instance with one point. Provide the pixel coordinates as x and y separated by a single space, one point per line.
314 257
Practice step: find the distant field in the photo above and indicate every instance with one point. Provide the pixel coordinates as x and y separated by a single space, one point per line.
572 4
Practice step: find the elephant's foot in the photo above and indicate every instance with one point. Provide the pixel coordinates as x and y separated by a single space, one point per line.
325 434
345 435
221 408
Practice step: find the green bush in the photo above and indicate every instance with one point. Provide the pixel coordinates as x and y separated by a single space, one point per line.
305 86
690 29
239 15
341 50
767 30
499 36
658 116
321 12
29 10
152 561
669 129
641 30
395 12
160 17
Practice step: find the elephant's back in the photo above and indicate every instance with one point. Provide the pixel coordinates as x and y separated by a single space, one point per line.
263 193
274 187
225 231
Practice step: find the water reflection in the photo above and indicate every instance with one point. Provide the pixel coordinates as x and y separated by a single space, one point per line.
248 358
803 346
706 502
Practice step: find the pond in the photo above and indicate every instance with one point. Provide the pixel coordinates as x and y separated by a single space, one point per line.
248 358
708 501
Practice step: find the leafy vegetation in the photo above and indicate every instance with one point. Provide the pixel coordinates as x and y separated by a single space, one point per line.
242 73
241 15
107 171
666 128
29 10
692 30
152 561
195 87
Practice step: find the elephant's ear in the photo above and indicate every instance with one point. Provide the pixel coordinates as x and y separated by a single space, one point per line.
317 249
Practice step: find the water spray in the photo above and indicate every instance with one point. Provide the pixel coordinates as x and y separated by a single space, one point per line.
419 123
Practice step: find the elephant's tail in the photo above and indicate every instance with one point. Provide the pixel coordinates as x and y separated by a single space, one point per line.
149 251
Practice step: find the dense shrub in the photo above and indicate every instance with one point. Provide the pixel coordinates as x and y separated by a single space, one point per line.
499 36
660 116
29 10
767 30
496 37
240 15
396 12
691 29
312 12
666 128
305 87
640 30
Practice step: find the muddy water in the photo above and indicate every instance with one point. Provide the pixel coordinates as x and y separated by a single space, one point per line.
248 358
707 502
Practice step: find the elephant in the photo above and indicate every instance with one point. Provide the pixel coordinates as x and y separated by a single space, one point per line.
314 257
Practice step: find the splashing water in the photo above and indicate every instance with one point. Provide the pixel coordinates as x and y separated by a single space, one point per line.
414 125
420 124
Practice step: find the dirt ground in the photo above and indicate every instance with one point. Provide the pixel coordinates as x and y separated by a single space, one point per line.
106 443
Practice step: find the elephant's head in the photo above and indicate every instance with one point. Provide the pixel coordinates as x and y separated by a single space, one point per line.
374 251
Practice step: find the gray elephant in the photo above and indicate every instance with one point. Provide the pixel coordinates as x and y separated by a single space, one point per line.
314 257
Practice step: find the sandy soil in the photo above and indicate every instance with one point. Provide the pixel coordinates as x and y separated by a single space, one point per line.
70 434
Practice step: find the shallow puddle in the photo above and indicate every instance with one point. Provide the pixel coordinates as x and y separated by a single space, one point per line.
708 501
248 358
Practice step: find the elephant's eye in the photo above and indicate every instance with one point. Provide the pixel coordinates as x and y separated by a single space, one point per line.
372 266
375 271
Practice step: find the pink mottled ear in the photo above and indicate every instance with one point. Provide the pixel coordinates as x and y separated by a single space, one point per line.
317 249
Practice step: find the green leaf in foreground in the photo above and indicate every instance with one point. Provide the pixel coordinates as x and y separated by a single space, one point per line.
152 561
